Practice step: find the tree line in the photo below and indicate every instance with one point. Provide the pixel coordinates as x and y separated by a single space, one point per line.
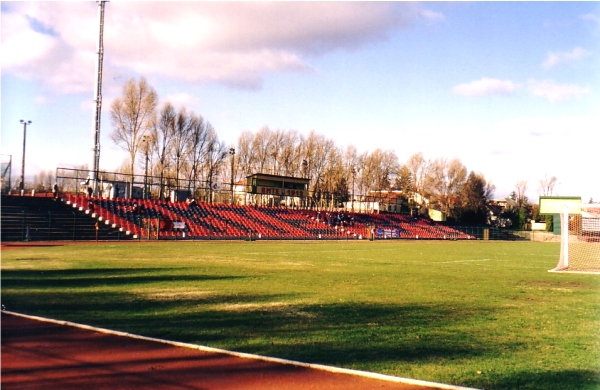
180 144
183 149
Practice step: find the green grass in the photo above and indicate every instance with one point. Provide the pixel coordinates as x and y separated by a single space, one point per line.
477 314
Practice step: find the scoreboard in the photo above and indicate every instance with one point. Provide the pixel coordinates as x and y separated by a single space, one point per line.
265 184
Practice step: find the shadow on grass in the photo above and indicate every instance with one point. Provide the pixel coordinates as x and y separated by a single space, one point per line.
87 278
335 334
568 379
271 324
358 334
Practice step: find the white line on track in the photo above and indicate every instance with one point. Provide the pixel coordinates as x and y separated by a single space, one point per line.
242 355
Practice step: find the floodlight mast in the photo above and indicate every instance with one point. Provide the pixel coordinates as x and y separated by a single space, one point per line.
98 99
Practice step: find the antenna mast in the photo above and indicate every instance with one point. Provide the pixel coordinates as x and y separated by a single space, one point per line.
98 98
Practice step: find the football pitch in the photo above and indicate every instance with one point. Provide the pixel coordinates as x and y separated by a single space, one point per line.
469 313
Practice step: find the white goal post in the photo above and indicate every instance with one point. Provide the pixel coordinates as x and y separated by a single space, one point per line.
580 238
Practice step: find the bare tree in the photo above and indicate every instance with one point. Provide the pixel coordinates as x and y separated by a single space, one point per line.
388 166
334 180
351 169
216 152
197 146
364 176
547 185
521 189
261 149
351 159
181 136
379 169
164 132
275 144
132 116
446 179
290 161
244 154
148 149
316 151
43 180
419 169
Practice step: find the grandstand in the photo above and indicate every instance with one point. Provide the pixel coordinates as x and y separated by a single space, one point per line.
40 218
122 218
165 219
200 220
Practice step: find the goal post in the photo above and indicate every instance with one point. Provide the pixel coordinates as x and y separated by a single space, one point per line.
579 237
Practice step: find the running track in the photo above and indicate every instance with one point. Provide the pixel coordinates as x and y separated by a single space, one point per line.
38 354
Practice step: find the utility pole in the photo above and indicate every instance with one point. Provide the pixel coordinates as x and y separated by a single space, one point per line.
98 98
22 185
232 154
146 140
353 180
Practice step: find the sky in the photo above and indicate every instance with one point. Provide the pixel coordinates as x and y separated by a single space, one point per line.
512 89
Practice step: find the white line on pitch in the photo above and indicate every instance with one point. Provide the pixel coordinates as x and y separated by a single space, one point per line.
462 261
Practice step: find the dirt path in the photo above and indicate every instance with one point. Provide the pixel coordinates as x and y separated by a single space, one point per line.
45 355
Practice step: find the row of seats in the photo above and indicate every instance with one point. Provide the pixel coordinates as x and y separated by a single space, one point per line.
205 220
106 212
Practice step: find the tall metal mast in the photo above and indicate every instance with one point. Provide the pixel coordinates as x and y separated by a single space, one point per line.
98 99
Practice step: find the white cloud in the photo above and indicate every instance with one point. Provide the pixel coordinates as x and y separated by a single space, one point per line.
554 92
486 86
235 43
547 89
182 100
431 15
22 47
47 42
591 18
556 58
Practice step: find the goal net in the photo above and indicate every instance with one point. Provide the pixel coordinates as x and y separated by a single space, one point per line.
580 238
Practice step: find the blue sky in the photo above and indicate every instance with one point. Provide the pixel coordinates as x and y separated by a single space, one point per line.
510 88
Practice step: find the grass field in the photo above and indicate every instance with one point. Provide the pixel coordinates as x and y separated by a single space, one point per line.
477 314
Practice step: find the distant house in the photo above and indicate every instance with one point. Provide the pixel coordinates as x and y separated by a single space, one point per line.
497 207
391 201
376 201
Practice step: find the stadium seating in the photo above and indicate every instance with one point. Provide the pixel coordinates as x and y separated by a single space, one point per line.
33 218
199 220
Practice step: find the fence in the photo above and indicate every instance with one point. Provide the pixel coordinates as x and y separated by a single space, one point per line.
210 191
492 234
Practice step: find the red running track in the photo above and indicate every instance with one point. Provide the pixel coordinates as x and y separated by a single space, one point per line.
45 355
